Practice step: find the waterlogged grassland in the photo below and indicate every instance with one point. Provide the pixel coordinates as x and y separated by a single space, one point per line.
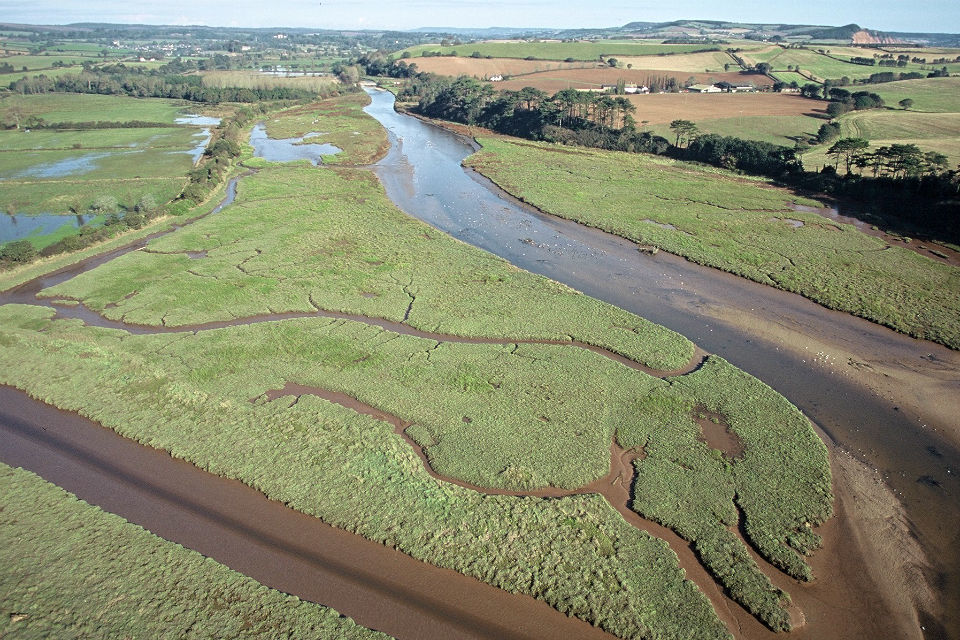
735 224
558 50
299 238
66 171
189 394
54 139
58 582
339 121
69 196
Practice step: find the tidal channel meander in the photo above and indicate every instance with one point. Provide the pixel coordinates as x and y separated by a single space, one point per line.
889 400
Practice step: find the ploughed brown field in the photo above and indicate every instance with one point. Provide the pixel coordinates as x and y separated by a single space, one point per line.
666 107
555 80
486 67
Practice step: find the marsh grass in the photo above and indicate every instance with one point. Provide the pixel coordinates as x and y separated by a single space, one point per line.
101 576
339 121
729 222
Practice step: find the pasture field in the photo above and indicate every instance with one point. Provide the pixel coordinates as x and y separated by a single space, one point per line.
791 76
154 581
339 121
938 132
35 63
553 50
940 95
705 62
553 81
257 80
486 67
701 107
781 130
82 107
301 238
738 225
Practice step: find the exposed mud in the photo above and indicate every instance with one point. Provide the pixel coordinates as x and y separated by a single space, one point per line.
236 525
717 434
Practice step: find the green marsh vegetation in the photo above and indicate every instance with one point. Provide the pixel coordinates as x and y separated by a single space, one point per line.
496 415
190 395
339 121
299 238
140 588
505 415
734 223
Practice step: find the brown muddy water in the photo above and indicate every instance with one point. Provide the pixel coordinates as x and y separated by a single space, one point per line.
282 548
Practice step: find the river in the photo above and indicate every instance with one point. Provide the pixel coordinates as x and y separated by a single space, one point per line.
890 400
895 412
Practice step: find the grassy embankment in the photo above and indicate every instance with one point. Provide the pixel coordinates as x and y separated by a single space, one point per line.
735 224
350 243
57 580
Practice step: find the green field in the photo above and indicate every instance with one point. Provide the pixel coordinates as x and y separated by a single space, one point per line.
781 130
558 50
140 588
940 95
177 138
938 132
73 107
301 238
739 227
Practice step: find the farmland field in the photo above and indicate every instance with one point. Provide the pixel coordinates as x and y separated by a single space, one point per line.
486 67
940 95
781 130
705 62
155 578
938 132
740 228
700 107
552 50
553 81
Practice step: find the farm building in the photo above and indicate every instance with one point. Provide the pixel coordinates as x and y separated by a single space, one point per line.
704 88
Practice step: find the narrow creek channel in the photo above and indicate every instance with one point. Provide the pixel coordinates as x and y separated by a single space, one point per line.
907 432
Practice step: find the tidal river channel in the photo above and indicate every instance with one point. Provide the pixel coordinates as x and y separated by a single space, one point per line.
889 400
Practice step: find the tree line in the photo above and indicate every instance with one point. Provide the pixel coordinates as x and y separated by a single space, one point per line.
894 175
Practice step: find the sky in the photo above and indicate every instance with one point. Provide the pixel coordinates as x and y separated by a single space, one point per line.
942 16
